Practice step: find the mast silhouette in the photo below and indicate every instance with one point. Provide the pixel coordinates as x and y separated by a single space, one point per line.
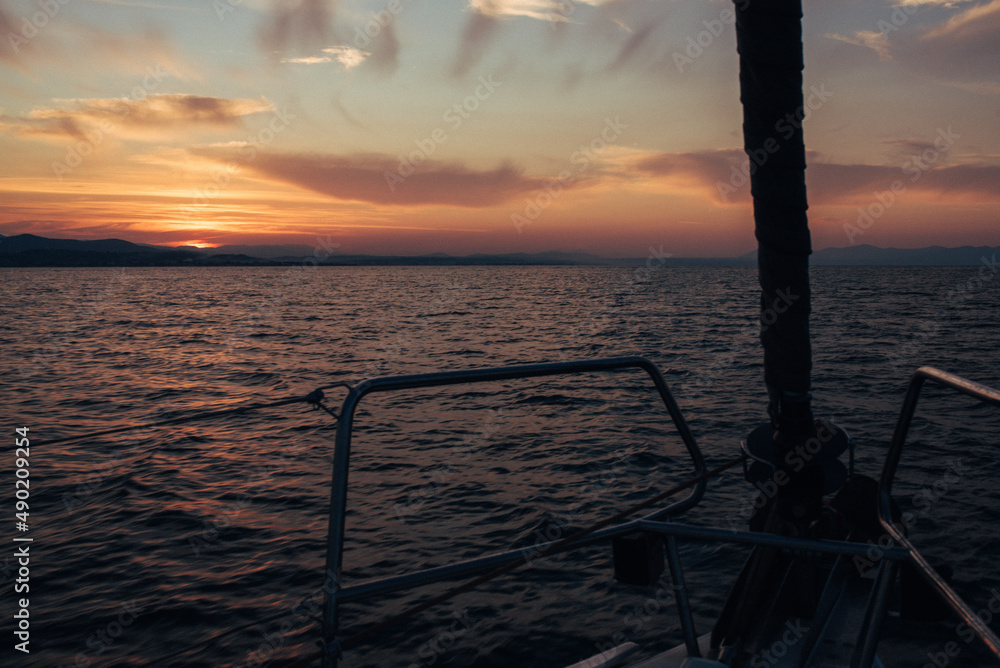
769 40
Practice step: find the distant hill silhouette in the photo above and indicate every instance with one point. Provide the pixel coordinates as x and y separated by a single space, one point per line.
266 251
30 250
31 242
932 255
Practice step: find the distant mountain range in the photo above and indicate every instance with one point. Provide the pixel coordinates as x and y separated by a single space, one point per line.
29 250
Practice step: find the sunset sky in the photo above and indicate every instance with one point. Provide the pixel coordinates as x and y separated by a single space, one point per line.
484 126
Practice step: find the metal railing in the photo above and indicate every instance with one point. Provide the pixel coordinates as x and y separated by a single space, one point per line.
982 393
336 594
656 522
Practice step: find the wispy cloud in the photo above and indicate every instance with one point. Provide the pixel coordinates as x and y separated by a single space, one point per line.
149 5
480 30
973 24
363 178
930 3
134 118
961 49
544 10
633 44
8 27
828 183
303 23
874 40
308 60
385 51
348 56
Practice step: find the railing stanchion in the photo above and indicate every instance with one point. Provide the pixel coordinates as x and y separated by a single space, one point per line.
680 592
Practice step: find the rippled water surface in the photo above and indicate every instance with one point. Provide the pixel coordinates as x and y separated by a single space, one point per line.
150 543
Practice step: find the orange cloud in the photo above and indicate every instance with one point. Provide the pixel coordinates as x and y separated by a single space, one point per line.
383 180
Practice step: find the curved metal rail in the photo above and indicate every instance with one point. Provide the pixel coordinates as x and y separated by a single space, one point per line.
983 393
655 522
341 466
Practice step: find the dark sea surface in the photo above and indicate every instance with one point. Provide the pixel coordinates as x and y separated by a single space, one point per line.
155 542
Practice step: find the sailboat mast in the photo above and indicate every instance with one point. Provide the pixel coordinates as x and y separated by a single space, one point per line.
769 40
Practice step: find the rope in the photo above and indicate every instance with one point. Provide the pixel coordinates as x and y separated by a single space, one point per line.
315 397
555 547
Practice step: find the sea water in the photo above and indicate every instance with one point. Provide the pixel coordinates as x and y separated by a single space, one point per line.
154 542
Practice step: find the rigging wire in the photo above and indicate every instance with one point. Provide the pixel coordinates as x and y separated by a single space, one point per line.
315 398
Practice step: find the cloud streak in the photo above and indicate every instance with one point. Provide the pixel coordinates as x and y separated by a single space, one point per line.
303 23
828 183
479 32
544 10
363 178
961 50
139 116
348 56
